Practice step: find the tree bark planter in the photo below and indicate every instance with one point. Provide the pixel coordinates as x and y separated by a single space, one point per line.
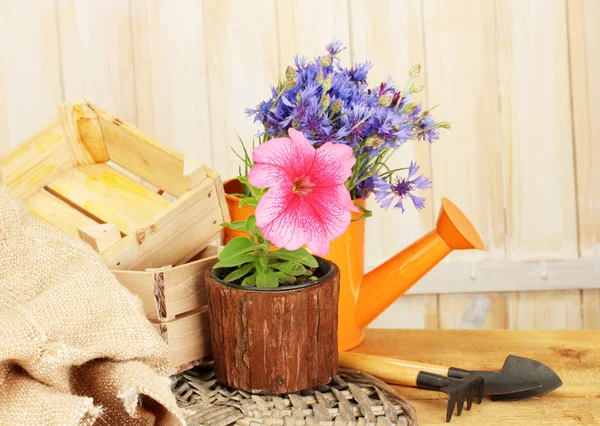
276 340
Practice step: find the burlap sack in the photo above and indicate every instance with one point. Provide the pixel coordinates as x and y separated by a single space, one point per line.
75 347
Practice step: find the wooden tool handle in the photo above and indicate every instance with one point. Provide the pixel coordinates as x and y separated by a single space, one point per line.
390 370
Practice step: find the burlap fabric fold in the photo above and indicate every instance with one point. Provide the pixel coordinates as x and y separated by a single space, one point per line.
75 347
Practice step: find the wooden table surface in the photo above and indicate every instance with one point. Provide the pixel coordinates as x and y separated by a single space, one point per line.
574 355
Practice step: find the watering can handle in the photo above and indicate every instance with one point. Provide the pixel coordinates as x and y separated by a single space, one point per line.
390 370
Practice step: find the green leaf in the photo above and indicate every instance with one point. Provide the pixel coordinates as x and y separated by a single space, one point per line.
249 281
233 261
300 256
248 200
268 279
285 278
237 226
236 252
291 268
365 213
239 273
250 223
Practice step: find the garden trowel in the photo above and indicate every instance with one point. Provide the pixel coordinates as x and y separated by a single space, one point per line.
528 369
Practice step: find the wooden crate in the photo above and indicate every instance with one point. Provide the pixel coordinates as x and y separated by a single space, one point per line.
174 299
92 175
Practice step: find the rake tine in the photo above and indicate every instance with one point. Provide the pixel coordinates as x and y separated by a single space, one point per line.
449 410
469 401
459 405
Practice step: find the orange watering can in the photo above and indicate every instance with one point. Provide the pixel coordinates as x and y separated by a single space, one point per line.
364 296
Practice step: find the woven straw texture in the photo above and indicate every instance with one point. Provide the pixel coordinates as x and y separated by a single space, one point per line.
351 399
75 347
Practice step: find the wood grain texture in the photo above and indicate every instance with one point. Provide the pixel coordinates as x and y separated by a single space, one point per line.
188 339
108 196
30 68
79 123
473 311
373 41
242 66
536 129
410 311
584 51
467 160
545 310
37 161
48 208
573 355
171 74
274 341
147 157
97 55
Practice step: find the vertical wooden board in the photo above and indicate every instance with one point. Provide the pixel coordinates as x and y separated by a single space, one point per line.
30 84
533 76
461 76
171 75
410 311
590 305
330 17
549 310
97 56
4 132
242 60
393 53
584 49
473 311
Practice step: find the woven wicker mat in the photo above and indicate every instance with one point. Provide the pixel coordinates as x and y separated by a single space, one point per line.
352 398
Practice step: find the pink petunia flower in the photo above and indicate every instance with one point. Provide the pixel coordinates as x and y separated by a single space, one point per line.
307 202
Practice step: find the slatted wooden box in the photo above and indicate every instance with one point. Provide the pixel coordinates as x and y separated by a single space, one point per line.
175 300
96 177
65 175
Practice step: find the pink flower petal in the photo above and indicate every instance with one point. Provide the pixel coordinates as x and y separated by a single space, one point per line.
273 219
333 164
296 156
263 175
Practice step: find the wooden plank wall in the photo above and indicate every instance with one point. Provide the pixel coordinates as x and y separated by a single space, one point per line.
517 78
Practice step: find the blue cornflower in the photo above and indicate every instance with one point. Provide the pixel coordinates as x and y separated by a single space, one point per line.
402 188
427 129
360 71
335 47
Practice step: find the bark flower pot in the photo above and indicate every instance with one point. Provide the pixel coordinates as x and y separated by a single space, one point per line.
276 340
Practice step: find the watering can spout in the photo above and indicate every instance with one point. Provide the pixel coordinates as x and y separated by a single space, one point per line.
383 285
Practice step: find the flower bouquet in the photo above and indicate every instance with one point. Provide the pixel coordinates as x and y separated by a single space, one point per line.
330 108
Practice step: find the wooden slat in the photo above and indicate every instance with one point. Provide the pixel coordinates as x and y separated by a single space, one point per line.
410 311
533 73
108 195
31 70
590 303
82 132
58 213
242 66
193 218
97 54
510 275
473 311
36 162
168 46
146 157
188 339
584 50
393 53
461 77
556 310
179 290
584 38
331 17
